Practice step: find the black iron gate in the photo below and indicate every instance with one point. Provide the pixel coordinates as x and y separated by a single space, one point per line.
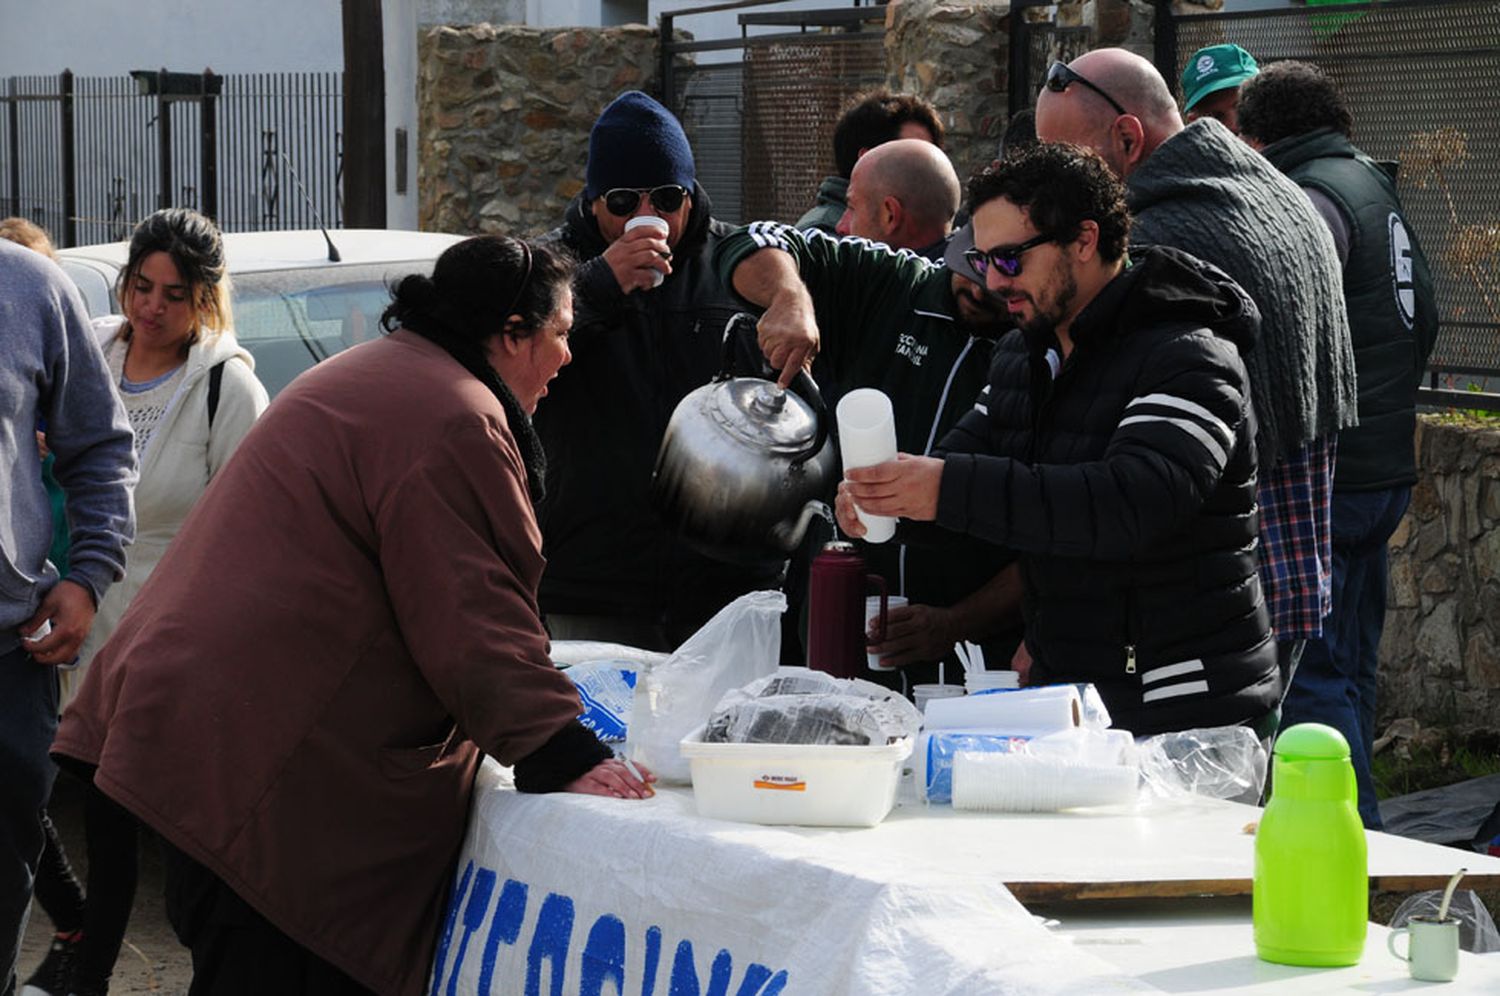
86 157
762 125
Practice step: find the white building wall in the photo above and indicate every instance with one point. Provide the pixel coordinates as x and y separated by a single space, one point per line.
108 38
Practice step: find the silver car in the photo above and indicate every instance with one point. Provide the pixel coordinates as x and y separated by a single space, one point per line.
293 306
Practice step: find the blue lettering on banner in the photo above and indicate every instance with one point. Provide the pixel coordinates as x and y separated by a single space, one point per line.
601 966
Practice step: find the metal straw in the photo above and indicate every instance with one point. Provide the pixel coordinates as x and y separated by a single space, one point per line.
1448 893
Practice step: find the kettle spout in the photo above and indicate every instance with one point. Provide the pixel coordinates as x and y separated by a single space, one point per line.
788 535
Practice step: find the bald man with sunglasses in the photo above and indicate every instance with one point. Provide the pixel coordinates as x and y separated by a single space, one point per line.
649 316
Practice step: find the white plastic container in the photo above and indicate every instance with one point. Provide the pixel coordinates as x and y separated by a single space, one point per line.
815 785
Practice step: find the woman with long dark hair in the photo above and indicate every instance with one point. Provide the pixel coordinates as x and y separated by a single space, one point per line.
306 739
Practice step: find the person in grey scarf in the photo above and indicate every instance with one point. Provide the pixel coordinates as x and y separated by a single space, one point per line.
1200 189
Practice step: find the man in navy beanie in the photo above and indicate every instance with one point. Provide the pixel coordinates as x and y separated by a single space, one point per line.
649 318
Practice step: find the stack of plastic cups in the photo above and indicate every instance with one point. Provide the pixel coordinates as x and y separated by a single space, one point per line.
987 681
867 436
1021 783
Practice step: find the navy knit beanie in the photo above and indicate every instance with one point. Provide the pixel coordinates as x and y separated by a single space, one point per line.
637 143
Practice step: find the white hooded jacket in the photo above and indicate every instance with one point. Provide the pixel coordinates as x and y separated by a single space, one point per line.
179 460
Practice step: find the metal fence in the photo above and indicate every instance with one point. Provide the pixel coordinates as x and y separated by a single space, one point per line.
87 157
762 127
1422 79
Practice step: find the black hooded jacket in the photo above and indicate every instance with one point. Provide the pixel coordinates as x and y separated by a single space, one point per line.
635 356
1126 482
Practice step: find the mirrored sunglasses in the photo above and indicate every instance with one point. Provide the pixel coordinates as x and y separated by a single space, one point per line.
1006 259
623 201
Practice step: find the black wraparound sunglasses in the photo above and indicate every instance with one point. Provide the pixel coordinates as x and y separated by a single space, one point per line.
622 201
1060 77
1006 259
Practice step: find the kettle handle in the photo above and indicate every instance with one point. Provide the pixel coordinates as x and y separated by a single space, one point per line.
802 384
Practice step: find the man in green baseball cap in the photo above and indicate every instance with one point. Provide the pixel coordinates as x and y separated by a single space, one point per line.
1211 83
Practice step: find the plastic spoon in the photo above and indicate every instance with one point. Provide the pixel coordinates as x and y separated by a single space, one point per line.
1448 893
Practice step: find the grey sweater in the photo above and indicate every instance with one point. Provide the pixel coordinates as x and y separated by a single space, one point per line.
1206 192
51 369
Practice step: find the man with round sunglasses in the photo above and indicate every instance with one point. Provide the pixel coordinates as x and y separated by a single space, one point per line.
1113 450
1198 188
649 314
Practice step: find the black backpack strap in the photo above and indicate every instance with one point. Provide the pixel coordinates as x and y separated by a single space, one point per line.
215 380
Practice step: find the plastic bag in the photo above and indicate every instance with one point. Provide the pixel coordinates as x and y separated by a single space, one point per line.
799 706
1221 762
607 691
1476 929
740 643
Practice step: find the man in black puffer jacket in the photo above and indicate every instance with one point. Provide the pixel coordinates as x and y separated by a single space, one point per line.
1114 450
649 317
1298 120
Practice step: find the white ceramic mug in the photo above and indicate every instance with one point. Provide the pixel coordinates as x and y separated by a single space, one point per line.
1432 948
872 622
660 224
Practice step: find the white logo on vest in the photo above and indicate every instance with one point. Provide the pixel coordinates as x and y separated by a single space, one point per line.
1401 269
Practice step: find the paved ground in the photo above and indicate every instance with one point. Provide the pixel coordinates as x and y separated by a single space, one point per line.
151 960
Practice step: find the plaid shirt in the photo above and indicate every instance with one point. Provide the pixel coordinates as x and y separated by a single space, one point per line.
1296 552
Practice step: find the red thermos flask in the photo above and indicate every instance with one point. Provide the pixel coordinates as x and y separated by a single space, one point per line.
837 586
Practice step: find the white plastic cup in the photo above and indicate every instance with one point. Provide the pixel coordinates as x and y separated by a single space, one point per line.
872 620
923 694
867 436
660 224
984 681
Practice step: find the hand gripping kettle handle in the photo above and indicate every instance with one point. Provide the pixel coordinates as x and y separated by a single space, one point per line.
802 384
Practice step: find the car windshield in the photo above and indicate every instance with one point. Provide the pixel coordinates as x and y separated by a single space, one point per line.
292 319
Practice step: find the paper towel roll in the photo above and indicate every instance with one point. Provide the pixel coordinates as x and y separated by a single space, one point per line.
1027 711
1021 783
867 436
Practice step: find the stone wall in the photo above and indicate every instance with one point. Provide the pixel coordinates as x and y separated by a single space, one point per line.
1440 656
505 113
954 54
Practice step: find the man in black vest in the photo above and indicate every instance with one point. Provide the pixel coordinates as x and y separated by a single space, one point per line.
1296 117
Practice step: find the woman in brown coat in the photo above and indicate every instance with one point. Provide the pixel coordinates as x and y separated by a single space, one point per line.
298 699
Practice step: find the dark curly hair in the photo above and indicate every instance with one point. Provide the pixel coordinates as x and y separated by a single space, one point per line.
1060 187
875 118
476 286
1292 98
197 250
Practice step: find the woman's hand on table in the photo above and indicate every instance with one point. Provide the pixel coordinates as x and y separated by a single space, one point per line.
613 778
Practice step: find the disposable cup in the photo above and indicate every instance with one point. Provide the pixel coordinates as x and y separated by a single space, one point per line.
867 436
872 620
651 221
923 694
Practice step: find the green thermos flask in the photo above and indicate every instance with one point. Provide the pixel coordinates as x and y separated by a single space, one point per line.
1312 886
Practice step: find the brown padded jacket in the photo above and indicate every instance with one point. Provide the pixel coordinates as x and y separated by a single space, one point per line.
299 696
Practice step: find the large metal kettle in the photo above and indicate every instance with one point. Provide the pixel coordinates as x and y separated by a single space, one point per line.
744 464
